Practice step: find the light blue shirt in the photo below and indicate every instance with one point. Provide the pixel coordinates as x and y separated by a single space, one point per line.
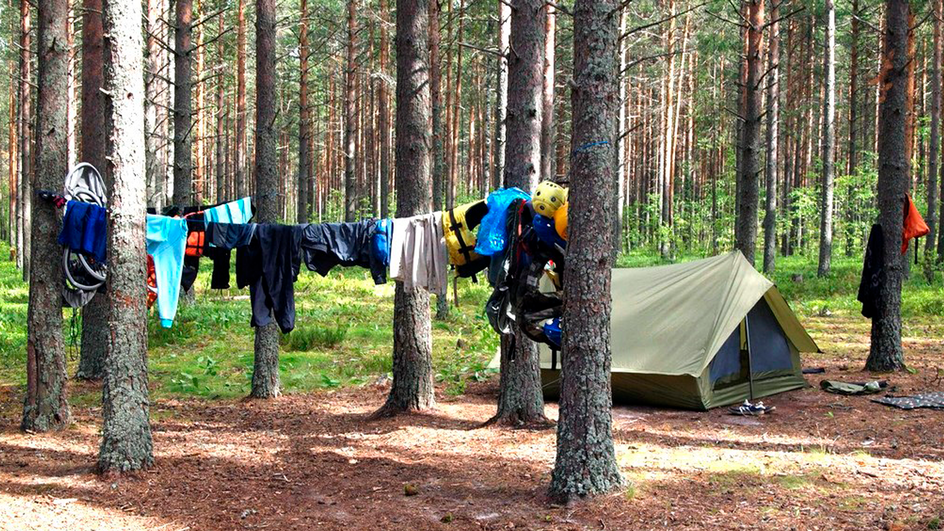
166 243
235 212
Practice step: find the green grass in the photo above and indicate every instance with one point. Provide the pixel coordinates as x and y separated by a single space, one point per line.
344 336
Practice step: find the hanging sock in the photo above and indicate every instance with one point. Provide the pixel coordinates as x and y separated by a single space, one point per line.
166 242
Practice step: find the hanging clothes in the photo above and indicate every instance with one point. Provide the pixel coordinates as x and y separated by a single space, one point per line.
380 244
913 225
418 255
326 245
84 229
239 211
269 265
221 238
166 241
873 272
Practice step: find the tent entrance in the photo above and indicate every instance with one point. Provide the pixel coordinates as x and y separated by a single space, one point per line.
757 350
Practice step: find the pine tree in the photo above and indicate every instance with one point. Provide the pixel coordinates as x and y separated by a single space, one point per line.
586 460
46 407
126 432
412 387
894 174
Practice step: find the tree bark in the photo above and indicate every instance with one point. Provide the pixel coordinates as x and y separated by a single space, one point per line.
894 174
265 370
199 171
384 108
435 80
183 138
155 114
853 127
46 407
25 190
412 387
94 325
350 118
126 432
586 460
501 93
241 185
547 95
304 120
773 124
829 143
751 131
222 117
520 399
934 151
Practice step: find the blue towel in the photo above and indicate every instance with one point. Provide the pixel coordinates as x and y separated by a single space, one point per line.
235 212
166 242
84 229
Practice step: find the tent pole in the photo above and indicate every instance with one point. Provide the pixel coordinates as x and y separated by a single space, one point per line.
750 361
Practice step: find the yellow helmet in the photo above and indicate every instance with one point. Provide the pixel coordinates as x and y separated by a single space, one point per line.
548 197
560 221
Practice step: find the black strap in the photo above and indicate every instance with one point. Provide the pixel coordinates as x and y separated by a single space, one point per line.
553 359
457 229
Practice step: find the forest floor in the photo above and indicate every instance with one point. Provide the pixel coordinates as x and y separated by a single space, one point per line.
313 460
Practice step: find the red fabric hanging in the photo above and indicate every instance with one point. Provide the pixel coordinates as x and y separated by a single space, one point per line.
913 226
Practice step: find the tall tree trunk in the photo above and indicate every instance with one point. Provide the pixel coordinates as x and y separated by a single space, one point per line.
547 95
183 137
435 80
773 123
155 113
934 150
46 407
667 146
304 120
94 325
25 189
586 461
894 174
222 116
265 370
241 175
412 387
384 108
520 399
199 174
854 131
350 118
501 92
751 131
455 130
126 432
71 96
829 143
12 162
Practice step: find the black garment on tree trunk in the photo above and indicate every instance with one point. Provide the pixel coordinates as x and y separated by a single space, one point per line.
269 265
327 245
873 272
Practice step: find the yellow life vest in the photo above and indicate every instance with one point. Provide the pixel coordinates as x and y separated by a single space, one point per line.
460 240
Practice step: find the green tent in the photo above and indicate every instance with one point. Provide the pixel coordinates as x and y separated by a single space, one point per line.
698 335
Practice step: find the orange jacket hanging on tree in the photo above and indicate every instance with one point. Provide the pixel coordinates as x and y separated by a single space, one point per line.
913 226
